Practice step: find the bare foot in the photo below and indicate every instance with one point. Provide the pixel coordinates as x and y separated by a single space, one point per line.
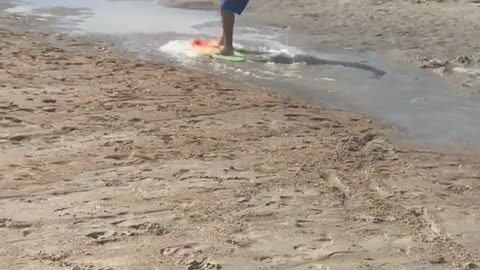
226 51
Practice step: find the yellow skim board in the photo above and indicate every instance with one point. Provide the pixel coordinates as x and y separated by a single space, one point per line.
212 49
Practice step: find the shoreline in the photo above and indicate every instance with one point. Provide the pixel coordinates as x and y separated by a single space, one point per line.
109 162
449 49
423 33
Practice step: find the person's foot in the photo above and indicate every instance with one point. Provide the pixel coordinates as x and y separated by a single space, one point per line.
226 51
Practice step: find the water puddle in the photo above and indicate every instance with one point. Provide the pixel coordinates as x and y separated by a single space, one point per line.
115 17
417 102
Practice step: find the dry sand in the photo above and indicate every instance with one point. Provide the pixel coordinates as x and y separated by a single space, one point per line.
109 162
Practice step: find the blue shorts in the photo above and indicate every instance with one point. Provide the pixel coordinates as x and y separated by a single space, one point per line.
235 6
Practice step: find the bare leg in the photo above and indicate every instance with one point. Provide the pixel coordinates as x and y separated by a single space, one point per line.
221 41
228 21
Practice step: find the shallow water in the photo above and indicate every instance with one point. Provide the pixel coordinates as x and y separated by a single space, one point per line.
116 17
418 103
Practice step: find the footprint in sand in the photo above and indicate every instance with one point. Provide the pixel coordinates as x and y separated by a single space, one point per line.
13 224
20 137
191 256
12 120
181 250
96 235
49 101
150 227
50 109
202 265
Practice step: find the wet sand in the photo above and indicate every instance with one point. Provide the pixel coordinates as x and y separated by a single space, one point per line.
109 162
437 35
418 28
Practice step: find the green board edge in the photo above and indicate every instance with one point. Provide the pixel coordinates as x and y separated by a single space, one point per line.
236 57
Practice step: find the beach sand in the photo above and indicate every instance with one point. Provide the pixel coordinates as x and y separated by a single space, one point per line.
110 162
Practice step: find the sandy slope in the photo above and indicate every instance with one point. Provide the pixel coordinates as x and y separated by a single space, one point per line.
112 163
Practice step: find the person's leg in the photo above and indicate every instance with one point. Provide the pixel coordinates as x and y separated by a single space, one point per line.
221 41
228 22
229 9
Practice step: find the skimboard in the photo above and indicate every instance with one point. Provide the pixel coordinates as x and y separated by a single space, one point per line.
212 49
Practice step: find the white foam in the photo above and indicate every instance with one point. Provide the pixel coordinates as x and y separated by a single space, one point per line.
278 48
474 72
22 9
46 15
178 48
28 10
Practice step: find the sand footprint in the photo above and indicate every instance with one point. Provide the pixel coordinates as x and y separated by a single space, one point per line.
202 265
181 251
190 255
